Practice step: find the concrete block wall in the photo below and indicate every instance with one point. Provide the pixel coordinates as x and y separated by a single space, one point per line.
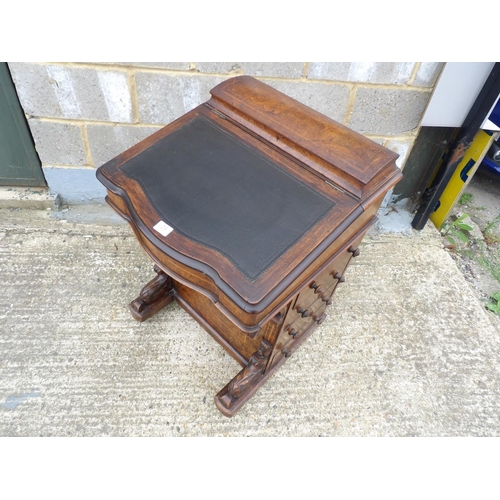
83 114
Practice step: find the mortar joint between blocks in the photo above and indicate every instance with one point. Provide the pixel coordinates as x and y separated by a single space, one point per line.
416 67
86 146
133 97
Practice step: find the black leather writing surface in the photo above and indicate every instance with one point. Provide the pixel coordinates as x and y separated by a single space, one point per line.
214 189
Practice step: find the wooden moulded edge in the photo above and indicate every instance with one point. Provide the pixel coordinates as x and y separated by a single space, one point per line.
210 271
324 145
249 309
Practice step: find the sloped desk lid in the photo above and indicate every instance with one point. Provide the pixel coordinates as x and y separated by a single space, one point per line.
213 189
248 205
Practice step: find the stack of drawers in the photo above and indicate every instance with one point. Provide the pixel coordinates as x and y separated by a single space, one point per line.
309 307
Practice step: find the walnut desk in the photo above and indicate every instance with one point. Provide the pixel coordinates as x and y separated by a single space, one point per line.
251 207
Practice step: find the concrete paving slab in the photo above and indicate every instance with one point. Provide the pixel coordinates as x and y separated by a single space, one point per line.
407 349
28 197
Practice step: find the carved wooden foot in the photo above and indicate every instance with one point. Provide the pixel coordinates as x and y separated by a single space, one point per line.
157 294
230 399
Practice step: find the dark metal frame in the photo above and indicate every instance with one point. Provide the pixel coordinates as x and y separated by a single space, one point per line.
457 150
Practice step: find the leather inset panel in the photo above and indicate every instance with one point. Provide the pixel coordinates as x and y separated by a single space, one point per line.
212 188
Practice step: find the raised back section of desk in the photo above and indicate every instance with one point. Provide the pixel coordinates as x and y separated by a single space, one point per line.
334 152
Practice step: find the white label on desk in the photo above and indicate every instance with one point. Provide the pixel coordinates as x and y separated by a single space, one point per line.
163 228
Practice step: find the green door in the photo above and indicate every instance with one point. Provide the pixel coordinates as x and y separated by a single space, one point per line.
19 162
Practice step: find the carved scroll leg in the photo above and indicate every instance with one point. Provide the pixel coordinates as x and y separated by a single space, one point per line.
157 294
230 399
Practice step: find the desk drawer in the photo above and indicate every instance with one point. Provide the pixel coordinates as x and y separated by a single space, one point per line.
321 286
314 312
292 332
310 304
301 325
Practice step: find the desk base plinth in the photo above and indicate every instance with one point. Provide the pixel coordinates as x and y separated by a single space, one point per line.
260 356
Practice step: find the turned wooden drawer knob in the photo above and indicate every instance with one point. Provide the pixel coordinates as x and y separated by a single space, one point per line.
319 319
327 300
293 332
339 277
303 312
317 288
355 251
287 353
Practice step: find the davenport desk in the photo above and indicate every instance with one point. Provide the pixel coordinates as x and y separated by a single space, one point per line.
251 206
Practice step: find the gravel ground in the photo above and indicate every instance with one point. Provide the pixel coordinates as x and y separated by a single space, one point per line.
479 260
